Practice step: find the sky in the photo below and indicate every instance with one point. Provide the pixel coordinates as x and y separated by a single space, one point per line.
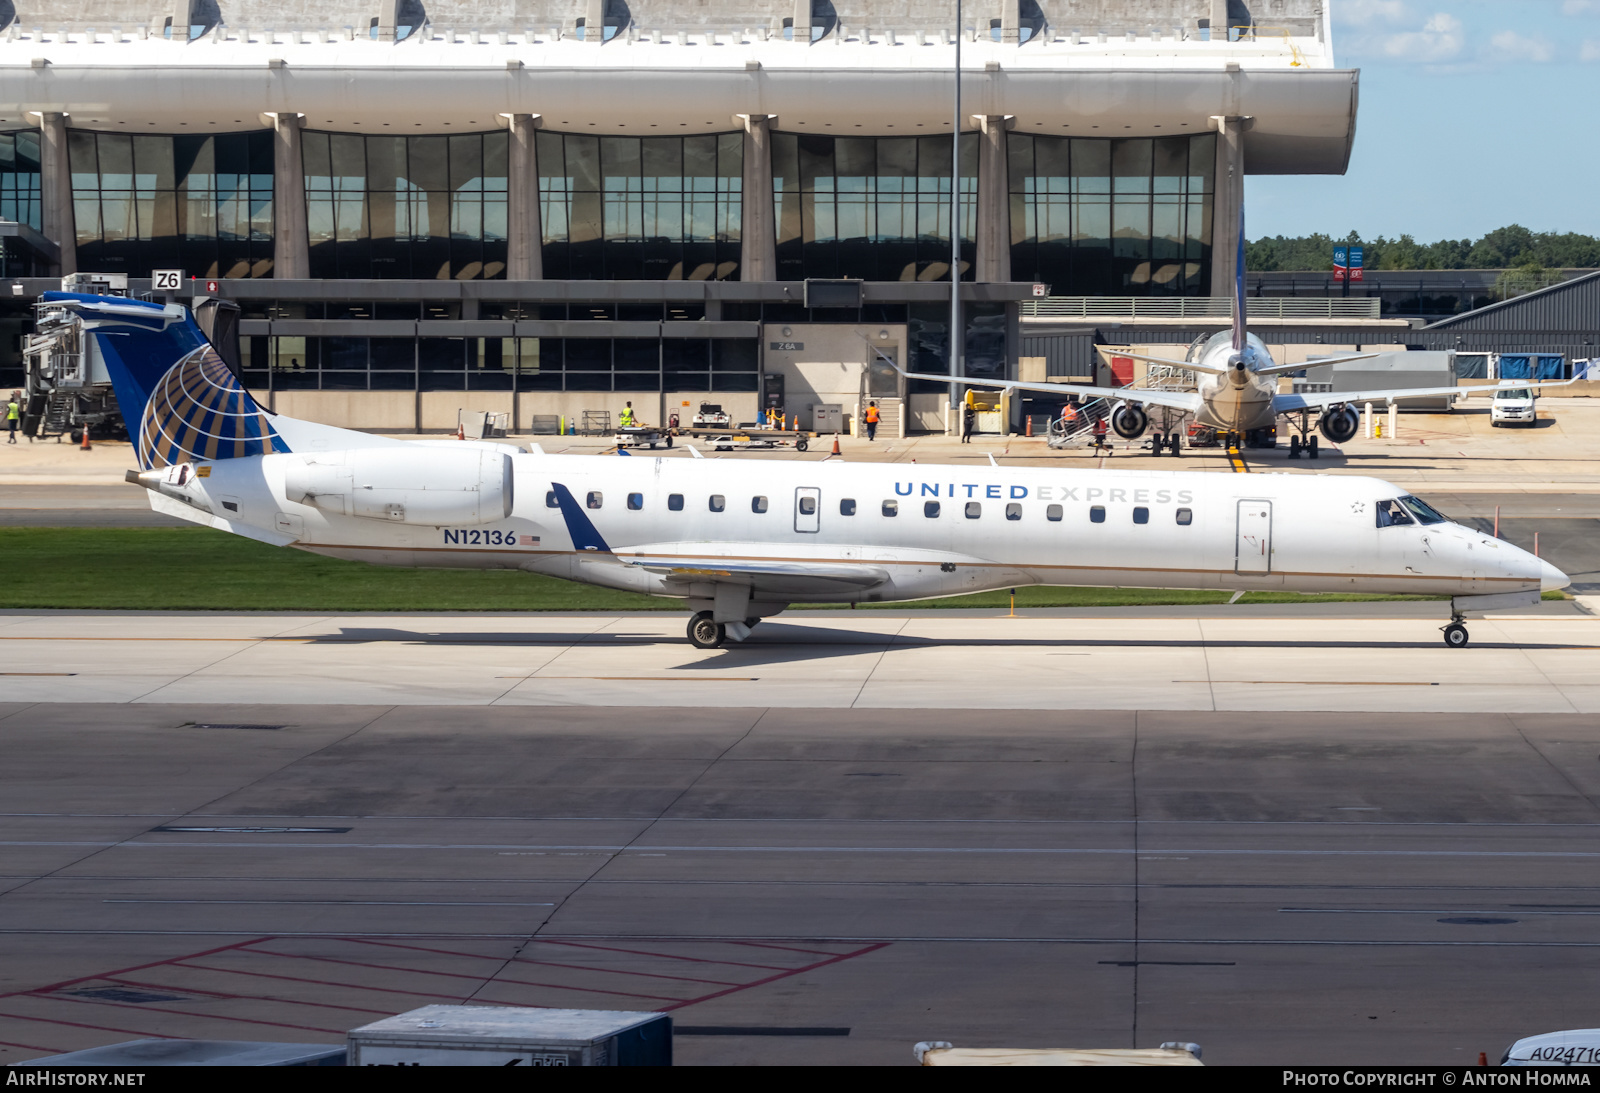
1474 114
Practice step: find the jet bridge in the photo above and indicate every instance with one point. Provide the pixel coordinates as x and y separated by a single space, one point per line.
67 387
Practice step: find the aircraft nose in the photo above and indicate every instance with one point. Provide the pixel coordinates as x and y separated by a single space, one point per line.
1551 578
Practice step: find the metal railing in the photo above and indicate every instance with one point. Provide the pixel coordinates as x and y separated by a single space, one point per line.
1199 307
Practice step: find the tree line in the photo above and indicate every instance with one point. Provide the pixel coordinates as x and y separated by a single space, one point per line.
1509 248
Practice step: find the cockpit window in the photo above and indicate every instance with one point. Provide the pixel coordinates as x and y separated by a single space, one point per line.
1392 514
1424 512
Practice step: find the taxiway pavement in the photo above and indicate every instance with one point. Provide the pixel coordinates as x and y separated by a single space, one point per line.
1382 657
804 886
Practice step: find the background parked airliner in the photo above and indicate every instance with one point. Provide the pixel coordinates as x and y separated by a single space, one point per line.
1237 391
740 540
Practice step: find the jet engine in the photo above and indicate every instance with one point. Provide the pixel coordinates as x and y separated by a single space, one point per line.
404 485
1339 424
1129 421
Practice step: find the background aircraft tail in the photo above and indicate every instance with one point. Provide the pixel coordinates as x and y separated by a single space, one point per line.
180 400
1238 290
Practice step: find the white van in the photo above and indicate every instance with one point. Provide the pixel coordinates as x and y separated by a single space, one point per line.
1575 1047
1513 405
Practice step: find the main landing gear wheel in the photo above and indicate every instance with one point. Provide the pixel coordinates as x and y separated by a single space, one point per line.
1174 445
1455 636
705 632
1294 447
1311 448
1157 442
801 445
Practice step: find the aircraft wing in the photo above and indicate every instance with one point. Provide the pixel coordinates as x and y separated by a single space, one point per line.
790 579
1178 400
1285 404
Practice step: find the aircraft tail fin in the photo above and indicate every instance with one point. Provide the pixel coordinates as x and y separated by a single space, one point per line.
1239 316
180 400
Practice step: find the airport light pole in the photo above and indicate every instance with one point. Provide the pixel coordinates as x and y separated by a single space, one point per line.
956 338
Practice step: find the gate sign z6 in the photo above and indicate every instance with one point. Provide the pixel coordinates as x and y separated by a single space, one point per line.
166 280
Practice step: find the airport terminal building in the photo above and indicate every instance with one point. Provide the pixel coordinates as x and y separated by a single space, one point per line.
551 207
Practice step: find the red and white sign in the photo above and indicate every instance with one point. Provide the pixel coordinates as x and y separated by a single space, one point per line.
1041 290
212 286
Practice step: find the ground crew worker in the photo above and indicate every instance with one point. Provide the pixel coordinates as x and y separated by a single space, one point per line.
872 420
1069 416
969 419
626 421
1100 432
13 417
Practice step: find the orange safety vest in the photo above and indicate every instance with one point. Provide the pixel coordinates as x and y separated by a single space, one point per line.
872 415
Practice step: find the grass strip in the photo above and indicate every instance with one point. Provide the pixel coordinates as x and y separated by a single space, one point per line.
202 569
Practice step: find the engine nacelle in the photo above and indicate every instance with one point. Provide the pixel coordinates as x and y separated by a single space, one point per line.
1339 424
1129 421
404 485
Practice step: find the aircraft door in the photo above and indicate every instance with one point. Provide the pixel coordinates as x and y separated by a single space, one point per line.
808 509
1253 548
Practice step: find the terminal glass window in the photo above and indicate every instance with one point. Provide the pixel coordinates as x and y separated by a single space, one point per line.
641 208
406 207
877 208
202 204
1093 217
19 177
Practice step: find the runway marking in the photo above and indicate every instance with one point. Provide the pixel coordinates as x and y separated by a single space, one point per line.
1319 682
645 679
326 903
38 673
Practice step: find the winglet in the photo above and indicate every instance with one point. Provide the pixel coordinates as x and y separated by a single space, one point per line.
584 535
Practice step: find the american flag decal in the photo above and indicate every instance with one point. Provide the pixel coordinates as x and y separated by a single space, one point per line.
527 540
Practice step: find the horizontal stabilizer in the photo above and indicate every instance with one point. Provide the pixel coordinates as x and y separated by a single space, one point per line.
1177 400
1280 369
1192 366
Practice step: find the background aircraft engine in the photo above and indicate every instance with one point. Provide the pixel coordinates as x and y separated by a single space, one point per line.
430 485
1339 424
1130 422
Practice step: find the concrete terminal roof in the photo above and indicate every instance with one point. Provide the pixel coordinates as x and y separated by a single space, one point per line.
886 76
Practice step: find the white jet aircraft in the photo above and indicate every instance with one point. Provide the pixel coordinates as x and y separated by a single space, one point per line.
741 540
1237 390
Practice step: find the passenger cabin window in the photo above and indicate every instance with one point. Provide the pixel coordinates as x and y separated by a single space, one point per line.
847 506
595 499
550 501
930 509
1392 514
1185 517
1424 512
718 502
636 501
891 508
675 502
1014 511
758 504
1053 513
974 510
1141 515
1097 514
808 506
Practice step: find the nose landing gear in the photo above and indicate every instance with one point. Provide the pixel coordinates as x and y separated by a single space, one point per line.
1455 634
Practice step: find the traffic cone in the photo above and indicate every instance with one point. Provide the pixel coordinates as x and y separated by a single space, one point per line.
86 445
835 443
1028 427
461 431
